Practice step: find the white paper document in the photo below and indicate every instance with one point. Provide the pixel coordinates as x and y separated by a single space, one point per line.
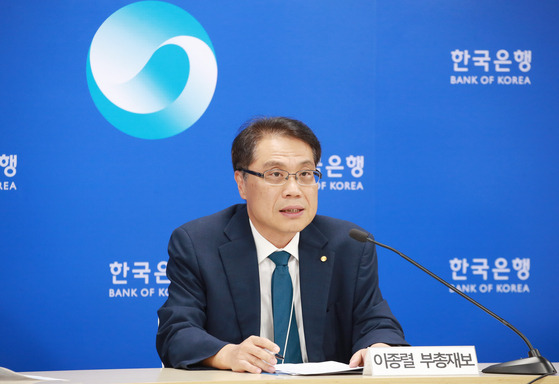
323 368
8 375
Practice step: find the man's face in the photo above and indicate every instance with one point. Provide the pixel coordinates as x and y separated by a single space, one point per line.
279 211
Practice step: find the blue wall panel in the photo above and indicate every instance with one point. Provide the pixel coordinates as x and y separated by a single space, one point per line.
451 171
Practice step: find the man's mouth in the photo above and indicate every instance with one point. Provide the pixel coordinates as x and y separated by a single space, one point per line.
291 211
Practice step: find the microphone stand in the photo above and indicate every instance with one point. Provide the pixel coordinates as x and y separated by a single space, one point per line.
535 364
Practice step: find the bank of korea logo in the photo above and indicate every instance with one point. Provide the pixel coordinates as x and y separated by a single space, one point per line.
151 70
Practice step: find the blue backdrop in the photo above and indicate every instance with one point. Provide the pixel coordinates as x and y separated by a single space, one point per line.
440 133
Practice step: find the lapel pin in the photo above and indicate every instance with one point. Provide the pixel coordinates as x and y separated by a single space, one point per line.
323 259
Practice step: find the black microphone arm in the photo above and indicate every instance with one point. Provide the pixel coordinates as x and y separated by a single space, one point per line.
535 364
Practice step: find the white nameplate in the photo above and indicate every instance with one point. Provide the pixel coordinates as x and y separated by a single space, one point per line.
421 361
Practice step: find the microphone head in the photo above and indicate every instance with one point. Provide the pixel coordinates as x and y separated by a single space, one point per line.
358 235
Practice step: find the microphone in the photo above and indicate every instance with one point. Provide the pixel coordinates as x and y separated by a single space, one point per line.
535 364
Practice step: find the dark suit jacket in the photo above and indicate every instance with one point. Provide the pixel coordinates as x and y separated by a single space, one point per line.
214 294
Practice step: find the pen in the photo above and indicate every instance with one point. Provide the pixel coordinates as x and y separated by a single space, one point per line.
278 356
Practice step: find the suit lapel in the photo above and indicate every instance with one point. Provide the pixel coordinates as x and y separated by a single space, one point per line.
241 267
315 274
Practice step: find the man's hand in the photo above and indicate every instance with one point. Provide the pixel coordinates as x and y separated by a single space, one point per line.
254 355
358 358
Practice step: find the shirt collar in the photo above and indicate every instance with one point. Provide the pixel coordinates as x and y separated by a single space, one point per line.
264 248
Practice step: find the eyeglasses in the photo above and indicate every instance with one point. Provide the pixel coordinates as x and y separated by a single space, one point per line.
280 177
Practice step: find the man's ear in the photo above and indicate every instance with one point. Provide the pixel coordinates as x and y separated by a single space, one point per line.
240 179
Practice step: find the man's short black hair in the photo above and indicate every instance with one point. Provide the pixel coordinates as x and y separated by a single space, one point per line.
244 145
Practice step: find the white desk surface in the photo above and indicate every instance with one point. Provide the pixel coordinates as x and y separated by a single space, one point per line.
169 375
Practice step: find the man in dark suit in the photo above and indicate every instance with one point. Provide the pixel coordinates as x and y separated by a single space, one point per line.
219 311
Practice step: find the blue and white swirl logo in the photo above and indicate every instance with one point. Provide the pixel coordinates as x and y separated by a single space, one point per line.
151 70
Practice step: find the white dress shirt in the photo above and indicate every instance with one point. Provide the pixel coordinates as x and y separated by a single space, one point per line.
266 268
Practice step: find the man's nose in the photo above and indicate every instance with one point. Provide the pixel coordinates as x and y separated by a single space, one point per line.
291 187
